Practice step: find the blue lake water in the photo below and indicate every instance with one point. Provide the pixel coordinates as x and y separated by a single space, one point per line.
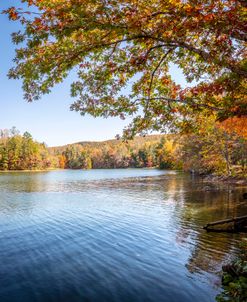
113 235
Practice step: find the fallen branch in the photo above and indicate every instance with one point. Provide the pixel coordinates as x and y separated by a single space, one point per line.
236 224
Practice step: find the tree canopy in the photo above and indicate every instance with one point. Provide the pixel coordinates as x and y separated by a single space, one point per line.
122 51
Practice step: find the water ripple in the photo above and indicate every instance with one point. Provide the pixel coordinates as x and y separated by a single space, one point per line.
112 235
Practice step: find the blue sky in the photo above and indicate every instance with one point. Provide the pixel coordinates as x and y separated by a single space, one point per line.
49 119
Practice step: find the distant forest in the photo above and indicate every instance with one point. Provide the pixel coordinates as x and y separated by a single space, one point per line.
212 150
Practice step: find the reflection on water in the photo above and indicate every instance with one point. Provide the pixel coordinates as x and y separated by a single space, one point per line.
112 235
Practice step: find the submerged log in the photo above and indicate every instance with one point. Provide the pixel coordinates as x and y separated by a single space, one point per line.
236 224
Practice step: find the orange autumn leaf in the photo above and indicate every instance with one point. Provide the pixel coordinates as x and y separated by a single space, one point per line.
237 125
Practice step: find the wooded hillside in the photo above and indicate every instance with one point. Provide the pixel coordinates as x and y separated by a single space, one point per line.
219 148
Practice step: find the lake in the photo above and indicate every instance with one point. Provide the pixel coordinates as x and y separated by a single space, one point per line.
113 235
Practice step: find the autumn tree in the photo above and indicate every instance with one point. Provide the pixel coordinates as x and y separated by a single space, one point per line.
122 52
166 154
236 127
20 152
62 161
214 148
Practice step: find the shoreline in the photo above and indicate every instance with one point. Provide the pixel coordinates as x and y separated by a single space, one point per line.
57 169
231 180
19 171
210 178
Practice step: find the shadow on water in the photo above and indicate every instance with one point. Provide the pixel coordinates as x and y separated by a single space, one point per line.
203 204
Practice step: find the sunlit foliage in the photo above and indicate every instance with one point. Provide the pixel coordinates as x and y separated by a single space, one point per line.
122 52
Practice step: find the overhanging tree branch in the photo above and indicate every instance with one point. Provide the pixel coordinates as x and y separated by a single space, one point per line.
152 78
193 103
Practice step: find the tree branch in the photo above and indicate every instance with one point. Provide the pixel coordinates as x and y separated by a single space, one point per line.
152 77
183 102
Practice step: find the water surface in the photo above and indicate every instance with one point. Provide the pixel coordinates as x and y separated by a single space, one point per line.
112 235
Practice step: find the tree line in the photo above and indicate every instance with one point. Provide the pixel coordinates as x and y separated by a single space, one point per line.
213 147
150 151
21 152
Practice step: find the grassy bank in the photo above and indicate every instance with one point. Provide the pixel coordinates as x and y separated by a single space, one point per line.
234 278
